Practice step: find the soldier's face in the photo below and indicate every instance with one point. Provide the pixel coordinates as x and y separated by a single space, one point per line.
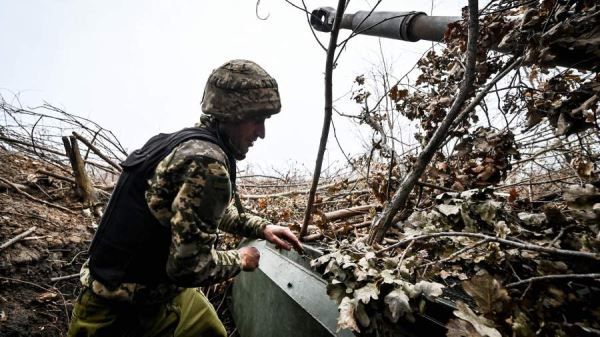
242 135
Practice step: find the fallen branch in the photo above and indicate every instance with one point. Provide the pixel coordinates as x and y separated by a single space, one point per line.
522 245
318 236
554 277
285 194
348 212
32 198
18 237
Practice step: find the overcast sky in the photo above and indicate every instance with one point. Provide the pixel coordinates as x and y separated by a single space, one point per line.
138 67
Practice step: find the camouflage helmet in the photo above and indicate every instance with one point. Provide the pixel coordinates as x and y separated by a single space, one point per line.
240 90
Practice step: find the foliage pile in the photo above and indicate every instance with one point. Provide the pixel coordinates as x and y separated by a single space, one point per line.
516 229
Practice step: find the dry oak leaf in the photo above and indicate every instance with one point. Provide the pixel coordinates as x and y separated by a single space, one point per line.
513 194
397 94
482 325
364 294
460 328
396 305
430 290
487 292
346 317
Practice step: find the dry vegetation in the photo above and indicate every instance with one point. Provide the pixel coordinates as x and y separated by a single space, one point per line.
503 221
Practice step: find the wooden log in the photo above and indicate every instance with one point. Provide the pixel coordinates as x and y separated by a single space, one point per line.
348 212
85 189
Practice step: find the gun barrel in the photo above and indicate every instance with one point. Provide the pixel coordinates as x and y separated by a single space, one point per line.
415 26
407 26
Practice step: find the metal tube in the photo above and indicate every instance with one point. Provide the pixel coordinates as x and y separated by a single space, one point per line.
431 28
415 26
406 26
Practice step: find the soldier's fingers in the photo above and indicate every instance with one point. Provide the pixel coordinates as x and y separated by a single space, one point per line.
280 243
291 238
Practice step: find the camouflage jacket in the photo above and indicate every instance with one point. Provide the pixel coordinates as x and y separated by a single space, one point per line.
191 193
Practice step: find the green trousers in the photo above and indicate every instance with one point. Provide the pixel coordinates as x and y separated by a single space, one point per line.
189 314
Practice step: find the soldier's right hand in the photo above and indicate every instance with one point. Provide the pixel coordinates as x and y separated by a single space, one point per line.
250 257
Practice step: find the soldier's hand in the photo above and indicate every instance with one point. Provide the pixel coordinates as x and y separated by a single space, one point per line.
250 257
282 237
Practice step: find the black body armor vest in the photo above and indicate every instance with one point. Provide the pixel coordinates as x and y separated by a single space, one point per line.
131 245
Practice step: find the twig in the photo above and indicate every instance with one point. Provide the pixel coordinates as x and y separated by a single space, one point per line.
560 234
18 237
455 254
435 187
52 289
30 197
284 194
527 246
554 277
318 236
404 254
65 277
16 141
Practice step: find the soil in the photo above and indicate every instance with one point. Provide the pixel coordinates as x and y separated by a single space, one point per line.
31 304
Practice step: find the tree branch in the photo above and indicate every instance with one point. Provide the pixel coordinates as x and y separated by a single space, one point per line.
384 222
329 65
522 245
554 277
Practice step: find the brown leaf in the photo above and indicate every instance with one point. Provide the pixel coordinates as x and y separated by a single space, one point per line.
397 94
396 305
430 290
364 294
482 325
346 317
460 328
262 203
513 194
360 80
487 292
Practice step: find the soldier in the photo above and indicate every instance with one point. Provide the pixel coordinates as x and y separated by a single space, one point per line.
155 243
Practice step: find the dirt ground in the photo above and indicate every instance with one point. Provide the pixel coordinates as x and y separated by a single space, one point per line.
31 302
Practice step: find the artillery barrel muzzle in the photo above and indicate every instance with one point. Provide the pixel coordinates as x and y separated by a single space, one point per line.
406 26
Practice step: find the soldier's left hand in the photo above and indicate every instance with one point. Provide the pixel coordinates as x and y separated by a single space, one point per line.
282 237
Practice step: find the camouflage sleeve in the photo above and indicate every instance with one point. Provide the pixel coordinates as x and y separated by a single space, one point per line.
190 191
244 224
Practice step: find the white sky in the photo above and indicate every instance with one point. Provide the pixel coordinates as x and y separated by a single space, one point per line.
138 67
